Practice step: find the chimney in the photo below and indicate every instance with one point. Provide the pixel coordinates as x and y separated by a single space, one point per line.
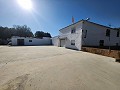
72 19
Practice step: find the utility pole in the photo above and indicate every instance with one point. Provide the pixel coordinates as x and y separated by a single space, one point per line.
109 39
109 44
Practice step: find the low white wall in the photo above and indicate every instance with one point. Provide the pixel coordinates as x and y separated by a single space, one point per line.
35 41
14 41
55 41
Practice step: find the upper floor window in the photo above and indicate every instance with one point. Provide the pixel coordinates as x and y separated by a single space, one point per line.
85 34
73 30
108 32
116 44
118 33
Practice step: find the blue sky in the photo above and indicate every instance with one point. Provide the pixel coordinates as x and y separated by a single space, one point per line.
52 15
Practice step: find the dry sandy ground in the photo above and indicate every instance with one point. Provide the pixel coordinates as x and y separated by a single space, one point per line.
53 68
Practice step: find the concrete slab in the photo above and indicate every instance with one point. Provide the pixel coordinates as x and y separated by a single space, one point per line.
56 68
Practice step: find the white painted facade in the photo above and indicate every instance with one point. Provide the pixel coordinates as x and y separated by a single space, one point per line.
29 41
55 41
65 36
86 34
96 32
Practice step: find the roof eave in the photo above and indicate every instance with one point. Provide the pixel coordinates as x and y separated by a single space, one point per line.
87 21
71 24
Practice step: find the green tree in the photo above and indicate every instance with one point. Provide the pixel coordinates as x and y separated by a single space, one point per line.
17 30
23 31
41 34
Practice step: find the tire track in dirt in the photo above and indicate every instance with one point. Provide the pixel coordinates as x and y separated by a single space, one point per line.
15 84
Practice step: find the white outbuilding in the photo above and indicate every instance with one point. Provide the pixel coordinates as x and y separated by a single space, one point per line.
30 41
86 33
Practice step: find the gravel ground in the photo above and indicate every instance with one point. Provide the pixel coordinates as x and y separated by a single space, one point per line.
55 68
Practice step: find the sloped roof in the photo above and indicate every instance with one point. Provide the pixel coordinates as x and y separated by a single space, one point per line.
86 21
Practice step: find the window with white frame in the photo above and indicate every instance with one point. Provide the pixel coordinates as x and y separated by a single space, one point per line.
72 42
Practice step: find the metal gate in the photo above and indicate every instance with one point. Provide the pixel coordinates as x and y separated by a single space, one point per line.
20 42
62 43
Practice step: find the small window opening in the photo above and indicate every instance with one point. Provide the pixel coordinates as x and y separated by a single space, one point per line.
118 33
73 30
72 42
85 34
108 32
30 40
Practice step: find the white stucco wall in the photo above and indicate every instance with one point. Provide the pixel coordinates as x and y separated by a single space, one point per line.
66 33
14 41
55 41
35 41
95 33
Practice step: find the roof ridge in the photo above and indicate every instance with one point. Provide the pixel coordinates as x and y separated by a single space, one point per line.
87 21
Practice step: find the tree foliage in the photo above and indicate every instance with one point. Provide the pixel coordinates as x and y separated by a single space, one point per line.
21 31
41 34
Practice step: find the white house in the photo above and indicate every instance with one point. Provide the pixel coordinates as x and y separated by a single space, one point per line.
86 33
29 41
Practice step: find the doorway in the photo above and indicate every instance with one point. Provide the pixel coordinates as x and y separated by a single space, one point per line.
20 42
62 42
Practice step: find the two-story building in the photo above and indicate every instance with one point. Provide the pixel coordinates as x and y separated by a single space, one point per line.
86 33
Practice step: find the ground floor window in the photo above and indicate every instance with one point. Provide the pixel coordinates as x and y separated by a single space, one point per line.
101 42
72 42
30 40
116 44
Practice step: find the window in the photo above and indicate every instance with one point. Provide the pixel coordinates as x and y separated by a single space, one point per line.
108 32
72 42
101 42
30 40
116 44
85 34
118 33
73 30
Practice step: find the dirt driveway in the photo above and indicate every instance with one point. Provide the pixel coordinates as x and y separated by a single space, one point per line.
54 68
